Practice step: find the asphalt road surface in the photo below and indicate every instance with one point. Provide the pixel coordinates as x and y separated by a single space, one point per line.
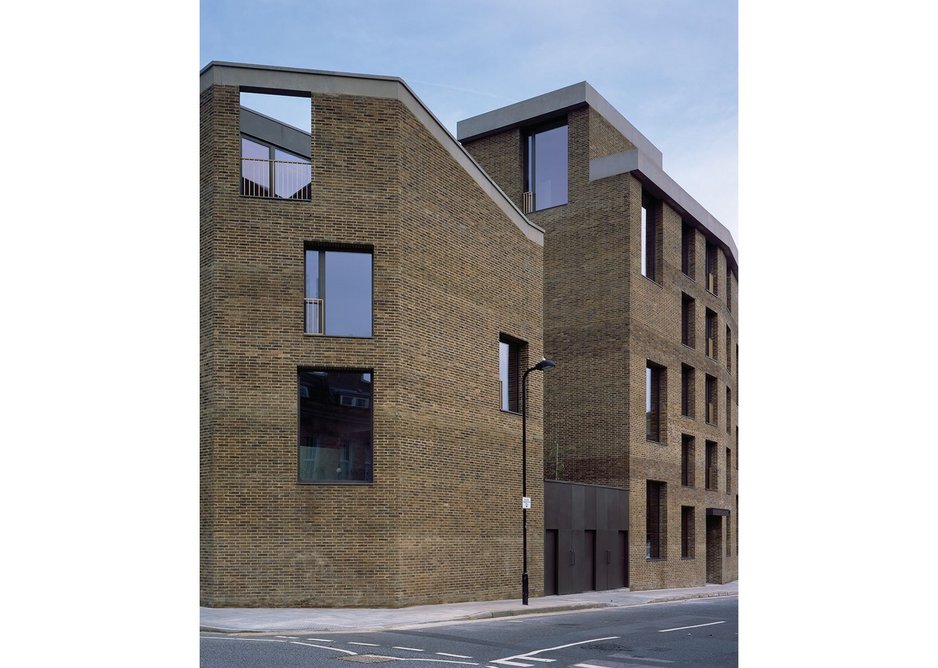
697 632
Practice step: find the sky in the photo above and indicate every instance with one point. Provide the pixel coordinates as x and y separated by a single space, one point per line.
670 66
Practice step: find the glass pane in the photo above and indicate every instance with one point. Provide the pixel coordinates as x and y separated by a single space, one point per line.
312 275
348 294
550 168
255 168
503 373
292 175
335 426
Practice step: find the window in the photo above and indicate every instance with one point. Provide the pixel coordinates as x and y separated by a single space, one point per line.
687 532
651 237
688 313
688 241
335 426
546 167
263 164
729 477
654 395
687 460
338 293
729 348
710 324
729 414
711 399
687 390
729 289
711 268
509 372
710 473
656 529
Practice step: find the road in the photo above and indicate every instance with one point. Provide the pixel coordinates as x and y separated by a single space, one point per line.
697 632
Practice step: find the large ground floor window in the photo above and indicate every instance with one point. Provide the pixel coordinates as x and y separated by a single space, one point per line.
335 426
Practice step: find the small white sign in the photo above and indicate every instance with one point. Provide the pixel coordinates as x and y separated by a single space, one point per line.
526 502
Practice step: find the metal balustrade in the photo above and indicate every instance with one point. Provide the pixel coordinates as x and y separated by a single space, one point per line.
292 180
314 316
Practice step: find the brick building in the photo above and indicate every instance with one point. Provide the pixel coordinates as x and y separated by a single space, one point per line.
360 286
369 299
640 315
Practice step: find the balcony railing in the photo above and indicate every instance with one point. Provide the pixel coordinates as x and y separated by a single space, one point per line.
292 180
314 316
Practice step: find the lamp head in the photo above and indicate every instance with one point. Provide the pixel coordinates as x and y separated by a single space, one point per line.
544 364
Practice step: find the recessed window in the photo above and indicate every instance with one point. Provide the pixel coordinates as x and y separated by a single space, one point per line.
338 293
656 529
268 171
651 237
729 477
687 532
688 250
275 145
710 387
687 390
654 402
335 426
510 360
729 412
710 472
687 460
728 530
546 167
710 324
729 289
711 268
729 349
688 317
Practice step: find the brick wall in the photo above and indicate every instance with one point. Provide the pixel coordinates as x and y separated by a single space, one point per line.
451 272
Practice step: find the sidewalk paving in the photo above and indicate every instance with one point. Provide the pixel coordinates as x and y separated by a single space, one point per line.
298 620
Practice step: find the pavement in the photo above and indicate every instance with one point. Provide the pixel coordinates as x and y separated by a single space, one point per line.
299 620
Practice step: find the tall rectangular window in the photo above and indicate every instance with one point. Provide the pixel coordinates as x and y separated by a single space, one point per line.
335 426
687 390
710 472
688 250
510 360
729 288
728 551
710 324
269 171
729 412
711 268
687 532
338 293
651 237
546 166
654 402
687 460
688 317
656 530
729 349
729 476
711 399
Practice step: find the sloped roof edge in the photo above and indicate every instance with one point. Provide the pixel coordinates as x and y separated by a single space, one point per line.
297 81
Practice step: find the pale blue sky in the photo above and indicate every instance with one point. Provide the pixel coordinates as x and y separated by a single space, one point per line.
668 66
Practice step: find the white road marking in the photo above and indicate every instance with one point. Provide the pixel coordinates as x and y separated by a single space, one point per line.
400 658
537 658
320 639
408 649
334 649
455 656
365 644
529 656
695 626
589 665
252 639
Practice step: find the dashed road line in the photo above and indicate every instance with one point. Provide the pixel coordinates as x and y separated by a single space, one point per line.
588 665
537 658
509 662
407 649
529 656
455 656
320 640
695 626
364 644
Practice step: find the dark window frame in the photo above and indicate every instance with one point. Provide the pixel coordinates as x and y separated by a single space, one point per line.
710 400
688 320
304 194
310 308
656 520
515 364
530 162
688 250
688 472
688 394
712 267
353 404
655 402
688 532
711 323
711 467
652 237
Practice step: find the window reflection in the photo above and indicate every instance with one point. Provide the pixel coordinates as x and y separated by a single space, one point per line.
335 426
338 293
546 169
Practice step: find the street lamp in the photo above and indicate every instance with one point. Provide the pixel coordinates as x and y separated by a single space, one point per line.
525 501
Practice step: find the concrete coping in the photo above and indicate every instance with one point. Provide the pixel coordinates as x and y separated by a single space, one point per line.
300 82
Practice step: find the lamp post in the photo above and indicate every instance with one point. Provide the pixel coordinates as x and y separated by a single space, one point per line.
525 502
